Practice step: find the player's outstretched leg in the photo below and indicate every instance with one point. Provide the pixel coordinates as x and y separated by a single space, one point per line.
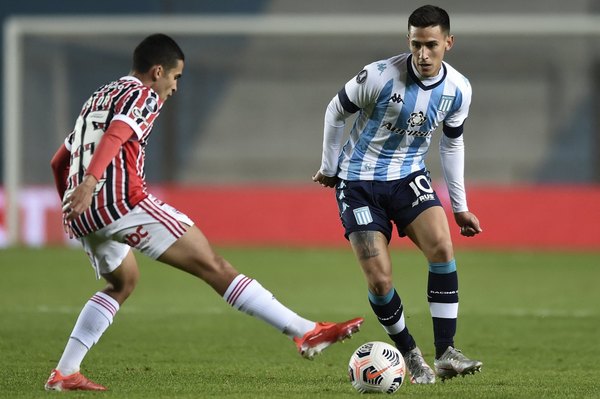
249 296
193 254
453 363
73 382
324 334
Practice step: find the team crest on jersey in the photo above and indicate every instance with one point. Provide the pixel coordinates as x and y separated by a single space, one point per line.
416 119
445 103
361 77
151 105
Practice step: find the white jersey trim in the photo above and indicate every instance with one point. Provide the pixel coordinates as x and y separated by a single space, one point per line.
132 124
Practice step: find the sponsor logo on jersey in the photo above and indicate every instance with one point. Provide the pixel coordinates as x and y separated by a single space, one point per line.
382 66
445 103
416 119
361 77
400 131
397 98
363 215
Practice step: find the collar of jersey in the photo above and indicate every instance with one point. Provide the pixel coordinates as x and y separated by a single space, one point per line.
418 81
129 77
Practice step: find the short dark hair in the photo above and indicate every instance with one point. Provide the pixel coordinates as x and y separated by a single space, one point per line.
429 15
156 49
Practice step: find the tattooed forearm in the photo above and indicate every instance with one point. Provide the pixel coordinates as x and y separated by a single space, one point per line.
363 243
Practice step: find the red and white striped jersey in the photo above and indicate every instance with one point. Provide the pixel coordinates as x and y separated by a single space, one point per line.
123 185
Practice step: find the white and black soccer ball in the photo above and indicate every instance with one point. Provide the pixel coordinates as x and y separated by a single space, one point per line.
376 367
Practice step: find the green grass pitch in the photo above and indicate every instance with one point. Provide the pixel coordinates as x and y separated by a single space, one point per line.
532 317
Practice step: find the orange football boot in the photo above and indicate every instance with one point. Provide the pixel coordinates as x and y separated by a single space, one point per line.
73 382
325 334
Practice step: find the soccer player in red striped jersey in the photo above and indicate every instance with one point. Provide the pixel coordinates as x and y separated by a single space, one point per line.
99 174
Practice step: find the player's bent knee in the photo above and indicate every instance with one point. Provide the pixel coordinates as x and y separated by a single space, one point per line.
441 251
121 285
121 290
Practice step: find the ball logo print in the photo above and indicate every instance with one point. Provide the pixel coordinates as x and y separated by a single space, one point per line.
376 367
373 376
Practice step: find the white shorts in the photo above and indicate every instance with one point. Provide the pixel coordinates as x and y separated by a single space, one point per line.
151 227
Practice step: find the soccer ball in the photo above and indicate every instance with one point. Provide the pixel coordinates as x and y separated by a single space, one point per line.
376 367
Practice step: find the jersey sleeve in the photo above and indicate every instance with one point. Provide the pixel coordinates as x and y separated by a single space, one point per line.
362 90
69 140
333 133
452 153
460 109
139 108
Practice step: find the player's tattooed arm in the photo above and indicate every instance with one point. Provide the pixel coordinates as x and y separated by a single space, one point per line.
364 244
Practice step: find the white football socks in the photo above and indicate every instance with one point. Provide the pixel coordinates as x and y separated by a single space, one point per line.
94 319
244 294
248 296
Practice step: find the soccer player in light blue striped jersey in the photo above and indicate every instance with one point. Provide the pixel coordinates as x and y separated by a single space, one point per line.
380 178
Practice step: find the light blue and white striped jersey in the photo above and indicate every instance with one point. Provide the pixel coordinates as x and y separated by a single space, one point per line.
398 115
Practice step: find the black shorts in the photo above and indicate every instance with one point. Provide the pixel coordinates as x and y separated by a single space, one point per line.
374 205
